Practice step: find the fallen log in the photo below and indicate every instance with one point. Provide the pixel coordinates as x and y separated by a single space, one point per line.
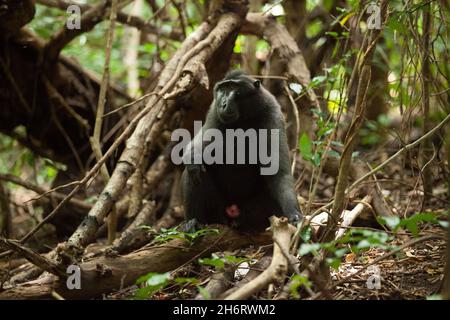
104 274
276 272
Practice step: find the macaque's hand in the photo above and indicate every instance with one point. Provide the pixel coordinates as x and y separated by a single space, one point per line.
295 218
195 172
191 226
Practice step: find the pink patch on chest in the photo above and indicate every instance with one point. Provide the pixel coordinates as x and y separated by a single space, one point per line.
233 211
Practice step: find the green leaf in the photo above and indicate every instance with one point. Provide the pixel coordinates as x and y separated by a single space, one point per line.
392 222
214 262
306 248
238 45
324 131
443 224
306 233
296 282
334 154
205 294
305 146
148 48
346 17
144 292
262 46
153 278
184 280
412 222
316 159
234 259
334 263
337 144
190 237
341 252
332 34
153 282
313 28
319 113
384 120
365 239
318 80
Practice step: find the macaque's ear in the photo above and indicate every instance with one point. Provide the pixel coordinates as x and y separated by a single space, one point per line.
257 84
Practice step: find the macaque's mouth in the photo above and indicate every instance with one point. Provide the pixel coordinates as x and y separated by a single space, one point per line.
228 117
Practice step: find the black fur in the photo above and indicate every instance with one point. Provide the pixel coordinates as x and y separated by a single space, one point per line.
240 102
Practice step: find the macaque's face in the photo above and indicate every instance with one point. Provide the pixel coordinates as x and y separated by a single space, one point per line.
233 99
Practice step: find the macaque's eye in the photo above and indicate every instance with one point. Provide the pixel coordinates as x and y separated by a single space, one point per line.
257 83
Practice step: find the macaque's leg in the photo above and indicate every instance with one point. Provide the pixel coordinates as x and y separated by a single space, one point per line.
254 213
202 200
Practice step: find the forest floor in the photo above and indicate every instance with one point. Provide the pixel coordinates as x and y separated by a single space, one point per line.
415 272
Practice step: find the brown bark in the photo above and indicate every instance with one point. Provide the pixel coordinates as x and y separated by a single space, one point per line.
296 18
286 59
122 17
340 194
134 236
104 274
41 108
282 233
5 212
149 126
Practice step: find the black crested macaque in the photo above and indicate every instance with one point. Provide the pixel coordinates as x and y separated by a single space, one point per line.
238 194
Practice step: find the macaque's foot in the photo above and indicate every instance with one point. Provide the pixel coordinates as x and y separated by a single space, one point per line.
295 218
191 225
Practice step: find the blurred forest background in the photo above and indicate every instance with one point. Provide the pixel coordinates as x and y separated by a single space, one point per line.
364 87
